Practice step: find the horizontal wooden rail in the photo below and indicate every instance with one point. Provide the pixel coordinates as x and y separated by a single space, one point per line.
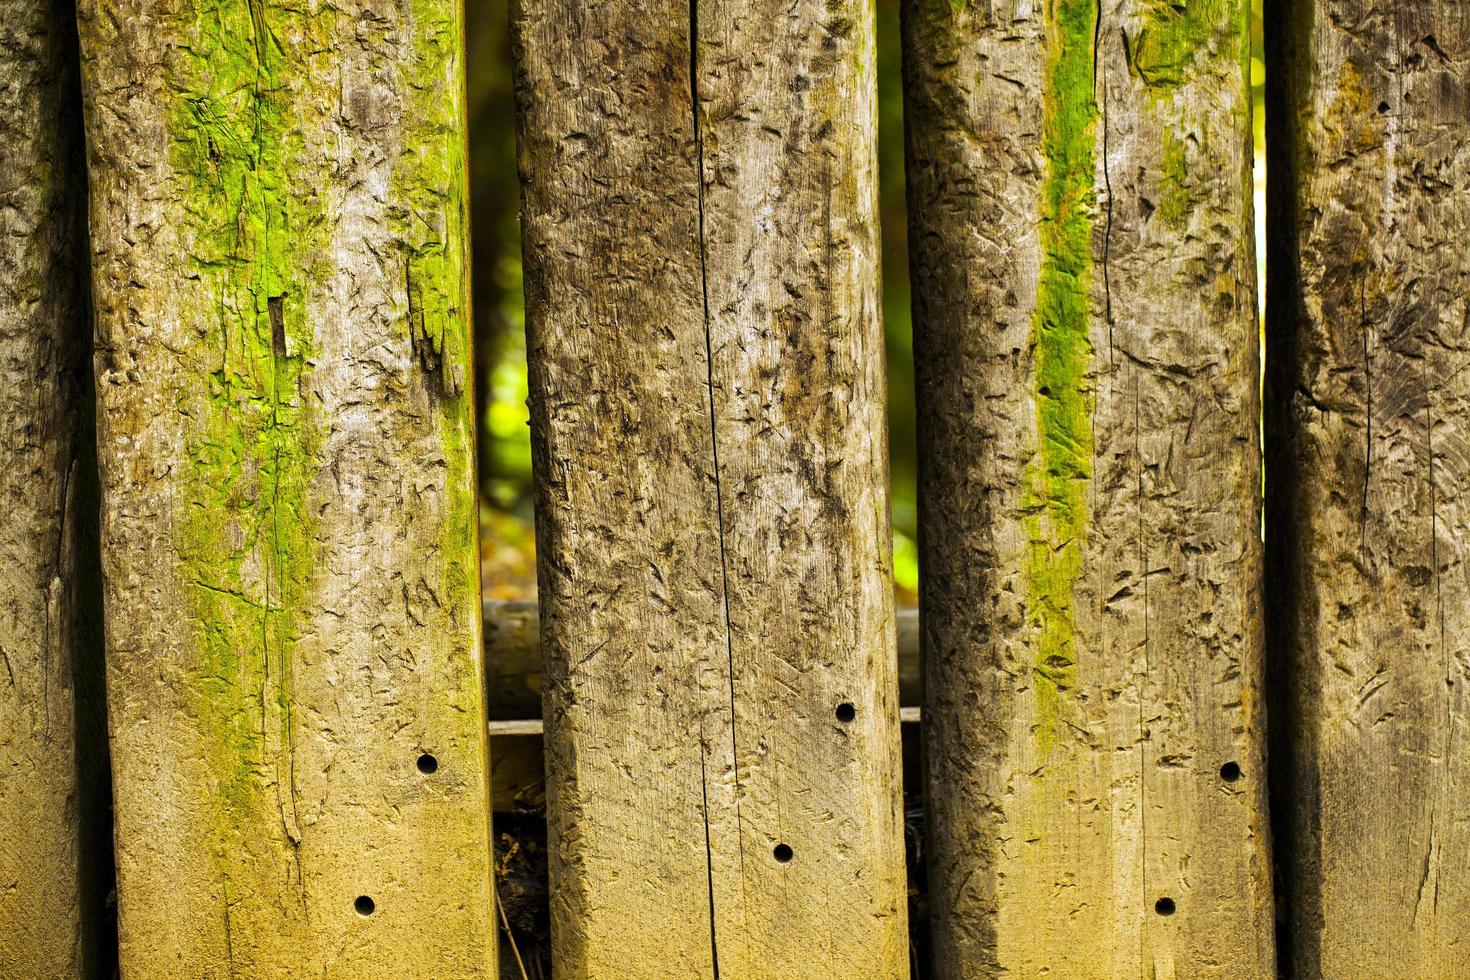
513 701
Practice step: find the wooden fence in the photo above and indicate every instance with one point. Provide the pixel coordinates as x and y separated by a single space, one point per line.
266 202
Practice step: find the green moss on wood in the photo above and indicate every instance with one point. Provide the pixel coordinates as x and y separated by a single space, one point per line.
1056 485
254 229
1174 202
1175 33
430 216
244 534
1176 39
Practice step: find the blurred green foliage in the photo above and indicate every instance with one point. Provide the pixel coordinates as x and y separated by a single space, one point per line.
500 348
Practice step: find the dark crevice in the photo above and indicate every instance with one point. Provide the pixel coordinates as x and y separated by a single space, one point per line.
709 355
229 931
1433 852
1097 66
276 566
275 306
1430 854
709 861
1142 694
81 531
1292 714
1367 330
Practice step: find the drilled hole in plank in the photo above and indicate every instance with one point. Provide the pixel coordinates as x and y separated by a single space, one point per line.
428 765
846 712
1230 772
365 906
1164 906
782 853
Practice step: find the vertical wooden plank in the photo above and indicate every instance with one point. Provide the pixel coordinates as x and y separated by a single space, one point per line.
787 101
707 419
1087 352
54 845
1370 524
278 217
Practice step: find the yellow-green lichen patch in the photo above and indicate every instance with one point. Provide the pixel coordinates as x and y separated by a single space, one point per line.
244 534
1056 482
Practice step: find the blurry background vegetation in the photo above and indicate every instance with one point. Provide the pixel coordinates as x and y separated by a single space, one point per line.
507 540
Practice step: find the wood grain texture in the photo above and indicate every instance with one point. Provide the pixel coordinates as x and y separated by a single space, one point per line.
1086 347
1369 523
291 581
513 659
54 863
707 424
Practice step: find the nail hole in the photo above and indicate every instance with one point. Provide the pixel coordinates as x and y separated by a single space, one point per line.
428 765
1230 772
782 853
846 712
365 906
1164 906
1382 108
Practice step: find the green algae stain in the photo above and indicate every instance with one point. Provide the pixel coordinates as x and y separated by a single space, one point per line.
1175 41
244 534
1174 34
429 218
1056 483
1174 200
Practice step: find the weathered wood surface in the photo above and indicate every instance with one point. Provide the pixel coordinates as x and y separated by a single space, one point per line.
513 659
1369 463
1086 347
293 618
513 699
54 850
707 424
